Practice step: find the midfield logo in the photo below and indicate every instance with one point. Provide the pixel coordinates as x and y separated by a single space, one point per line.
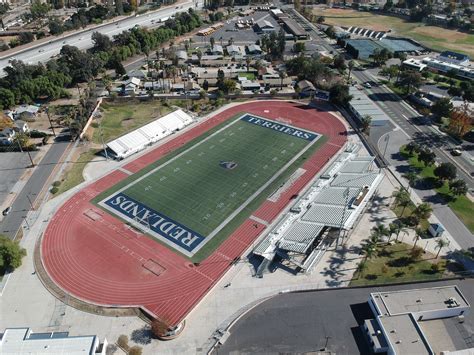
156 222
228 164
280 127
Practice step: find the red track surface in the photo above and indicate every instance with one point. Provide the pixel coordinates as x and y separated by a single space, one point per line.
100 260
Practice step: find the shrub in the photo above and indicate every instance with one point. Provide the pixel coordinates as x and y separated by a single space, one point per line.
384 269
122 341
435 268
416 253
56 183
135 350
54 190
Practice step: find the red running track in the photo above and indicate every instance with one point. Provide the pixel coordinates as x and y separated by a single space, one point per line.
98 259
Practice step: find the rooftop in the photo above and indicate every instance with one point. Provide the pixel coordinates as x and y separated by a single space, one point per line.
418 300
24 341
404 335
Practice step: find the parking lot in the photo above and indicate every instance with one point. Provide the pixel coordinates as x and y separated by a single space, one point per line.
310 321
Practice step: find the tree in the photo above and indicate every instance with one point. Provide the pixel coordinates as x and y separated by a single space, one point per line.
212 40
11 253
350 65
119 7
411 80
330 32
102 43
412 147
426 156
205 85
55 26
26 37
339 94
445 171
339 62
7 98
440 244
390 71
248 60
412 177
159 328
299 47
380 231
442 107
401 227
458 187
461 121
38 9
402 198
418 235
422 211
365 124
321 19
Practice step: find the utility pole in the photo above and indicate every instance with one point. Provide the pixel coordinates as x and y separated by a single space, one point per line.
27 151
386 139
50 123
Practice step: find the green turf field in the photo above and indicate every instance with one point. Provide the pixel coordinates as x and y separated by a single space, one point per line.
198 191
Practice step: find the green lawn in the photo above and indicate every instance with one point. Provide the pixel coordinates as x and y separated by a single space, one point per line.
437 38
460 205
249 76
393 263
196 191
73 176
122 117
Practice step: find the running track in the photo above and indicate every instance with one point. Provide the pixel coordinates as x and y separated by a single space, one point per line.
98 259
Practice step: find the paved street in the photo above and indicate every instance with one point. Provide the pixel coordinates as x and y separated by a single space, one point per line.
310 321
82 39
11 223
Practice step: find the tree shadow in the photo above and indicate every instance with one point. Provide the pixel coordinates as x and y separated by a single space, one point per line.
400 262
436 199
142 336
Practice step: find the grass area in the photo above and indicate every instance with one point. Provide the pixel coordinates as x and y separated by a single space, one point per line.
434 37
202 193
73 176
249 76
122 117
460 205
401 212
395 263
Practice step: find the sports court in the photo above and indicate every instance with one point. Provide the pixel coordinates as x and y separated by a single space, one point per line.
94 255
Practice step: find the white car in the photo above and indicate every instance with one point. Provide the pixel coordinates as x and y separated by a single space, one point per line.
368 86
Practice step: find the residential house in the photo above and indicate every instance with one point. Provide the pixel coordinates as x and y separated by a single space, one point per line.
215 50
254 49
131 86
235 51
21 126
182 56
276 83
26 112
7 136
306 88
137 73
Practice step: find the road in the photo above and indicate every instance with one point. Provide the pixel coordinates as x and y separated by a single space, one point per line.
82 39
307 322
21 206
415 126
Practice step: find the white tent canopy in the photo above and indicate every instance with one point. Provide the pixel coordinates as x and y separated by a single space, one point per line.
150 133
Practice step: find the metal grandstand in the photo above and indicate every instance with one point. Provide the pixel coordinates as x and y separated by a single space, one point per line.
331 206
148 134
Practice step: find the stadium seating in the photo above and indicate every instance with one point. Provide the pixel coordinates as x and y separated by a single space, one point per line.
150 133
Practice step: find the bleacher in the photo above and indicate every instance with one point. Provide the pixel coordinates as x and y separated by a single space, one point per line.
148 134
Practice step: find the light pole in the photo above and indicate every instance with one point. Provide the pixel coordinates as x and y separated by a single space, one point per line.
27 151
387 139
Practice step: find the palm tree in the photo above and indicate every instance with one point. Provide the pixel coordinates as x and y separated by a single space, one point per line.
392 228
350 65
402 57
212 41
422 211
418 234
248 61
380 231
440 244
401 227
402 198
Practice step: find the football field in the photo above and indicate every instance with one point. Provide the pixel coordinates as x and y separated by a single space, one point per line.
185 201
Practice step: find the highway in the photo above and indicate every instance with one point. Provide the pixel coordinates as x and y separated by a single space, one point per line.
82 39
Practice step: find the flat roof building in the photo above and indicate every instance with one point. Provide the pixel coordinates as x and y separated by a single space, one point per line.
294 28
24 341
399 316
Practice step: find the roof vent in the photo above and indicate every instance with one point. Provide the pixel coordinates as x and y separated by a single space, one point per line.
398 342
419 300
393 331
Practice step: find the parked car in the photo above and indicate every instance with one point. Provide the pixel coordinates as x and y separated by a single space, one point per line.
367 85
6 211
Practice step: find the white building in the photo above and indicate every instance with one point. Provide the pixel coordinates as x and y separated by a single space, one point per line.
24 341
397 327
